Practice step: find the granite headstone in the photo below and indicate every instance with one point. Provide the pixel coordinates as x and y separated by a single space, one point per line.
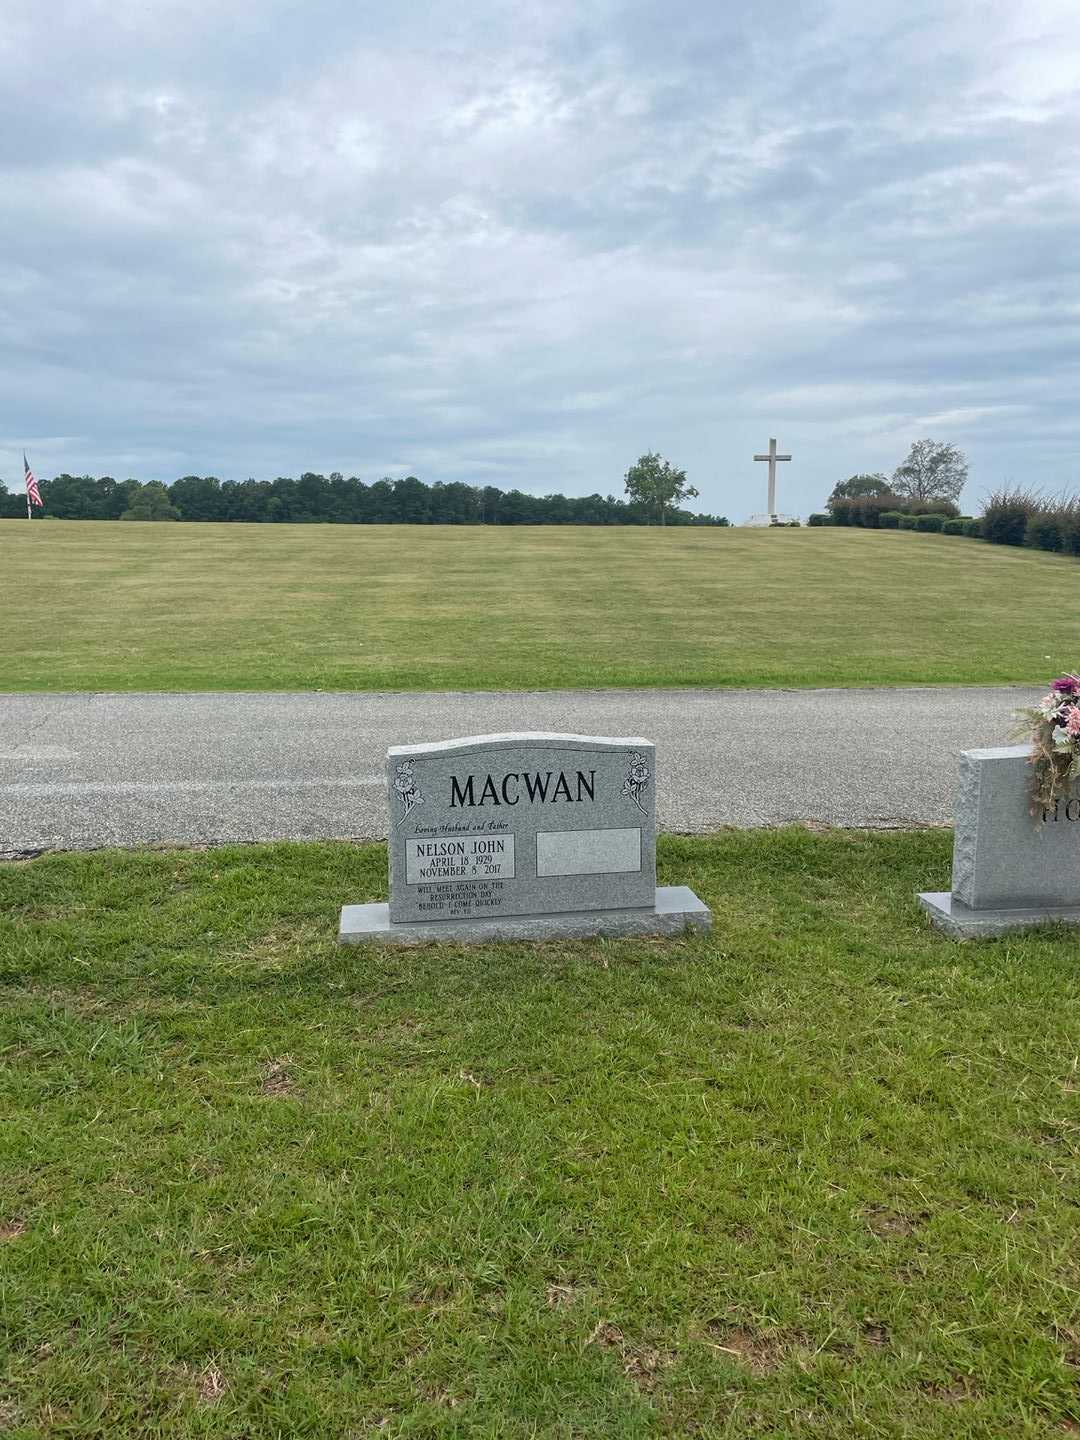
1015 864
522 835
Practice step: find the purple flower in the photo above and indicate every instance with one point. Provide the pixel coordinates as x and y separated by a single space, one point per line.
1066 685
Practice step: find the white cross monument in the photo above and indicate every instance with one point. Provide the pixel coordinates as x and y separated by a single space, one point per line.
771 517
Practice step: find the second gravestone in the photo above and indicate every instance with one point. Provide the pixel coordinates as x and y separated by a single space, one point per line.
526 836
1016 865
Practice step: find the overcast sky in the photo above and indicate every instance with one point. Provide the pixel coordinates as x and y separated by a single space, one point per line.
519 244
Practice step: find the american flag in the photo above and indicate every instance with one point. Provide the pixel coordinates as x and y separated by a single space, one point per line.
33 494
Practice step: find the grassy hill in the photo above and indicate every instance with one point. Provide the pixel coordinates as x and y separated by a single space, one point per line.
93 605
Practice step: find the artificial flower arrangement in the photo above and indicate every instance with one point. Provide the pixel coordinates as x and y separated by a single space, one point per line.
1054 727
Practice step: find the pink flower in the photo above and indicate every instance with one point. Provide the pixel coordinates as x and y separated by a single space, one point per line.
1072 720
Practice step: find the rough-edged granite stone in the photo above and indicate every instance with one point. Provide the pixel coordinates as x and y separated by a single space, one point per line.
1014 866
1006 855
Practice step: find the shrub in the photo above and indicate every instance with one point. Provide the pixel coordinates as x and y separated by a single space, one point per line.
931 507
955 526
820 519
930 521
890 519
1046 530
907 522
1006 515
841 512
868 509
1054 524
973 529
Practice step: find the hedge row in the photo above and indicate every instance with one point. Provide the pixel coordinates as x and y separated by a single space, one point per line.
932 521
867 510
1010 517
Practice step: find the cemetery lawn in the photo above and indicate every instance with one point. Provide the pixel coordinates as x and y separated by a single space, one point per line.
138 606
813 1175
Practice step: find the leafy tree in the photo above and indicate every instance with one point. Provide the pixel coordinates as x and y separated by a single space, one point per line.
382 500
932 471
197 497
122 495
655 483
81 497
455 503
856 486
152 503
75 497
490 496
411 501
12 507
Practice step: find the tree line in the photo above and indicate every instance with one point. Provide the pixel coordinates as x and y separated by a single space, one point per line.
334 500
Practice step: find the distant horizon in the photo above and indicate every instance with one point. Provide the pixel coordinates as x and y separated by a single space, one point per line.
524 245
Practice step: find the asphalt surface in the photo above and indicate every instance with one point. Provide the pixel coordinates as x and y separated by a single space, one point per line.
82 771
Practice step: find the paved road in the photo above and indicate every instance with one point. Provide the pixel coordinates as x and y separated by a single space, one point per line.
80 771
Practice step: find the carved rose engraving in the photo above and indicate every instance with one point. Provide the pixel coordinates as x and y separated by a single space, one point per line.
408 791
638 776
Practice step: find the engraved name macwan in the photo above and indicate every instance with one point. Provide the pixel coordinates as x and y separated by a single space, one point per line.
540 787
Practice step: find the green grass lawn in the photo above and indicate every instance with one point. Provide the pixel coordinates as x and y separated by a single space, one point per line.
92 605
814 1175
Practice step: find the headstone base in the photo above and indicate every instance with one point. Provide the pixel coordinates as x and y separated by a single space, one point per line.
962 923
676 907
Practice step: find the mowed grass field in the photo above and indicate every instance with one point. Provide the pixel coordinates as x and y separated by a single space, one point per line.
99 606
813 1175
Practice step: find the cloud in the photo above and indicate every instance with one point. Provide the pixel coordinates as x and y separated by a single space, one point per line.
524 244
